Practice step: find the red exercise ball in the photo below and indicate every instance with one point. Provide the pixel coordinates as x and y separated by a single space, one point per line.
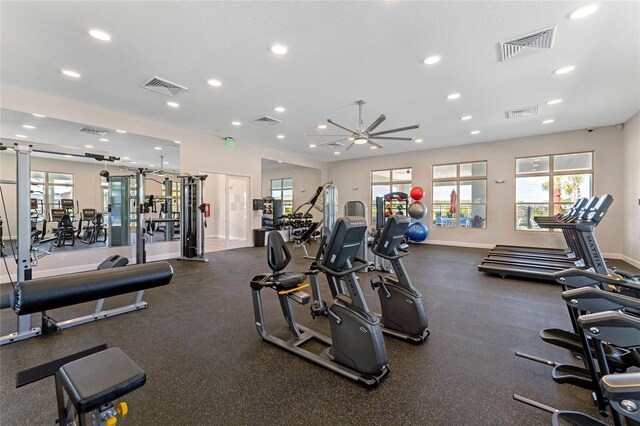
417 193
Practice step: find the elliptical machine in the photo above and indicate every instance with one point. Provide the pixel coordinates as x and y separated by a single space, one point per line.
356 349
403 313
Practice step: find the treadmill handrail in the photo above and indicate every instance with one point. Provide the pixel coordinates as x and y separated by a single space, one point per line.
605 279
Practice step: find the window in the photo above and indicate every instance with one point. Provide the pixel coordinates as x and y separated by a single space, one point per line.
460 195
49 188
386 181
550 184
282 189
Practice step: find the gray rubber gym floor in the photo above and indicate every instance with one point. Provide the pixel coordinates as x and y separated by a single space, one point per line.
206 364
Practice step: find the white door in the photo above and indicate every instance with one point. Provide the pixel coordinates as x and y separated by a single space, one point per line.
237 214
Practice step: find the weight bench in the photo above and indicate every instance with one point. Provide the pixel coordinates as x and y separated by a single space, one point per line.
88 383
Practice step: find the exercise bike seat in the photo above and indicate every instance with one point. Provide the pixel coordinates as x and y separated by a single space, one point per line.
288 280
100 378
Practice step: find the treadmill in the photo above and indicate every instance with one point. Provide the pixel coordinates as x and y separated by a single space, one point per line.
585 244
579 210
561 259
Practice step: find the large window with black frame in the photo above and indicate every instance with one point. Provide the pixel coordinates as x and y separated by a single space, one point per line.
550 184
282 189
386 181
459 195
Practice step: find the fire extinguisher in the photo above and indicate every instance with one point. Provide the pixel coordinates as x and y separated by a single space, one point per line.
207 209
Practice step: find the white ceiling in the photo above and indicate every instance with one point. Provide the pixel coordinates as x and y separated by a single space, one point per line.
139 149
339 52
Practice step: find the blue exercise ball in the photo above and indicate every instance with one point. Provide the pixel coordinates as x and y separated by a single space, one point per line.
417 232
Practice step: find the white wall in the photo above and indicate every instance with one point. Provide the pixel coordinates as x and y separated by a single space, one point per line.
214 194
631 155
605 141
305 182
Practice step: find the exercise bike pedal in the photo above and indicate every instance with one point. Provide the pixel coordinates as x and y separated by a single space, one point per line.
378 283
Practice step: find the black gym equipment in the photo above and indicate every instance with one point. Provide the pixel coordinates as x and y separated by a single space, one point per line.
94 229
403 313
579 234
356 349
87 384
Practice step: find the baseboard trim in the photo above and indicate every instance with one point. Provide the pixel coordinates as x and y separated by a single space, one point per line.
619 256
459 244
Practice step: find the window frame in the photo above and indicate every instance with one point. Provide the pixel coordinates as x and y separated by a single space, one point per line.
285 204
390 183
551 174
458 179
47 205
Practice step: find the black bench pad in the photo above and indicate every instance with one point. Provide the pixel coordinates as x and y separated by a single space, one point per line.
100 378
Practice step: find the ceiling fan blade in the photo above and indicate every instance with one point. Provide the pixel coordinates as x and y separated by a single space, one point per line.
391 138
399 129
375 144
337 125
306 134
332 142
350 145
376 123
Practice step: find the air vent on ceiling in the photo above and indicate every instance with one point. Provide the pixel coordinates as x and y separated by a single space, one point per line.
523 112
94 131
266 121
542 39
163 86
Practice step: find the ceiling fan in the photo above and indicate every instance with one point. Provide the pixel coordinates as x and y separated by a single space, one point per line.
366 136
160 172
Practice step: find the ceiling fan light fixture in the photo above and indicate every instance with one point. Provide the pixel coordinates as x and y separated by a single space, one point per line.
360 141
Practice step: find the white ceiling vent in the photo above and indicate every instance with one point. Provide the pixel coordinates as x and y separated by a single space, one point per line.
542 39
523 112
94 131
163 86
266 121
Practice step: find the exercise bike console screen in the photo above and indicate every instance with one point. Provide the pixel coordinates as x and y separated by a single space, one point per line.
344 242
392 235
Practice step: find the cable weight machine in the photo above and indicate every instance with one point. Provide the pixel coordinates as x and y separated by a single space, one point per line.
192 217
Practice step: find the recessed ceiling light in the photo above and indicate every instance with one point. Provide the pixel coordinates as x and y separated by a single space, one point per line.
418 141
279 49
88 146
68 156
322 126
121 131
100 35
432 60
474 132
70 73
104 140
583 11
236 123
178 142
373 147
554 101
28 126
313 145
336 152
124 158
466 117
157 148
564 70
279 161
279 109
548 121
215 83
132 162
173 104
39 115
151 165
453 96
280 136
20 136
